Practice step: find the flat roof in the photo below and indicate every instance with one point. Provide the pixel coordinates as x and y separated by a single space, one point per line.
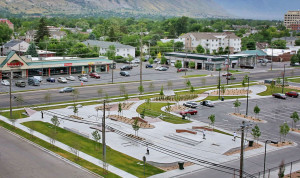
206 57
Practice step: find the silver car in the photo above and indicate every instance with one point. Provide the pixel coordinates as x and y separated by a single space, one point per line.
62 80
71 78
83 79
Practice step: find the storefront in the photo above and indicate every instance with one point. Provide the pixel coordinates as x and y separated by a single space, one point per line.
26 67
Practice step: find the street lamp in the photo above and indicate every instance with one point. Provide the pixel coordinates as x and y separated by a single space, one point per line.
265 156
247 97
283 78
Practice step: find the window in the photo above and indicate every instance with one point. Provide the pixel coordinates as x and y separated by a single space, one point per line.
127 50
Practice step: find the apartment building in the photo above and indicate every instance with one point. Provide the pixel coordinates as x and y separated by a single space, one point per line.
292 20
212 41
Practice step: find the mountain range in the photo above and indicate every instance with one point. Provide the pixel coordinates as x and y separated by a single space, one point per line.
252 9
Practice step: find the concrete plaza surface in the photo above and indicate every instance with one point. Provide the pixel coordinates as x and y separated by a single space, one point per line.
163 135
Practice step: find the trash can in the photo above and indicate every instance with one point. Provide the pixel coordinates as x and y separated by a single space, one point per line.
222 99
251 143
180 164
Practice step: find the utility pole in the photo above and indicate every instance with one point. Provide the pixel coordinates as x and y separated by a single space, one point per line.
283 78
103 138
228 59
272 58
247 97
242 150
141 59
219 83
10 102
112 73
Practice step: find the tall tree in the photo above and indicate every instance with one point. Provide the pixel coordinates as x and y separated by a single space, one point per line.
135 126
96 137
256 110
236 105
5 33
295 118
256 132
111 52
284 130
212 119
42 31
200 49
55 122
32 50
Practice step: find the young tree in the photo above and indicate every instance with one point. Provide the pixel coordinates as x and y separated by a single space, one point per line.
163 60
236 105
192 64
284 130
75 149
295 118
223 89
55 122
192 89
256 110
47 97
52 138
188 83
151 61
200 49
170 85
151 86
178 64
245 80
5 33
32 50
42 31
111 52
100 92
96 137
143 113
141 89
161 93
256 132
119 108
75 110
278 81
135 127
130 58
212 119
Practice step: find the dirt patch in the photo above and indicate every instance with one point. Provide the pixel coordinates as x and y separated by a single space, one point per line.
115 107
178 108
231 92
295 130
281 144
294 175
231 152
129 121
292 87
170 168
254 119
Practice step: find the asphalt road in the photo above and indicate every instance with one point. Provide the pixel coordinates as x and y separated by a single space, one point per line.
19 159
275 112
89 92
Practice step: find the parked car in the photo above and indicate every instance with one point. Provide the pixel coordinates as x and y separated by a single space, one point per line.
260 61
20 83
189 111
83 75
279 95
190 104
163 69
126 67
124 73
227 74
83 79
71 78
292 94
135 61
94 75
182 69
157 68
50 79
62 80
5 82
39 78
207 103
66 90
165 66
134 65
33 81
149 66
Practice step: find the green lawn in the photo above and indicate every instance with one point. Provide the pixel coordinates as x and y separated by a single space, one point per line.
154 110
297 80
90 166
115 158
215 98
192 76
269 90
15 114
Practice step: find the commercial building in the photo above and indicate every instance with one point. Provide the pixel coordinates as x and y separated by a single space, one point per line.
292 20
27 66
121 50
210 62
212 41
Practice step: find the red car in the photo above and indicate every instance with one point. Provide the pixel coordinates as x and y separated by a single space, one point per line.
182 70
94 75
227 74
189 111
292 94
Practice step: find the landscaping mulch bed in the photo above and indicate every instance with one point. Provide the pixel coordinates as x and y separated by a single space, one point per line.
178 108
130 121
281 144
170 168
254 119
231 92
295 130
238 150
294 175
75 117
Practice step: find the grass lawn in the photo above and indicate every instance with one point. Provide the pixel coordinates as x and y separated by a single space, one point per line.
115 158
90 166
192 76
215 98
154 110
15 114
269 91
294 80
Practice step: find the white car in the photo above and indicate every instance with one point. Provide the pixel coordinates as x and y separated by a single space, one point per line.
83 79
71 78
134 65
157 68
39 78
5 82
62 80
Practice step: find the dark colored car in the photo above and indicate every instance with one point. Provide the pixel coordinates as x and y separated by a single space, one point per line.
94 75
149 66
227 74
33 81
207 103
20 83
189 111
50 79
124 73
190 104
279 95
182 70
246 67
292 94
66 90
127 67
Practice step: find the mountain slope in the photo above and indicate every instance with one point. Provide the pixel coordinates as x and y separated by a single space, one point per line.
191 8
259 9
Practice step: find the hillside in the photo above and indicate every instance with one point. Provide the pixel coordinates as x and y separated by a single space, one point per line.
191 8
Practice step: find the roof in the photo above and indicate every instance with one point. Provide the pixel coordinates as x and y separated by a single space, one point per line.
10 54
254 52
105 44
77 60
210 35
290 38
6 21
12 43
195 56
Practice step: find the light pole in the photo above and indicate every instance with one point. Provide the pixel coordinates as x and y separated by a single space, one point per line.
247 97
219 83
265 156
283 78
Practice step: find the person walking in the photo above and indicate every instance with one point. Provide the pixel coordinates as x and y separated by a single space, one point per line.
234 136
203 132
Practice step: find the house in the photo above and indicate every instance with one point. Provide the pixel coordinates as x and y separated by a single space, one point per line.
15 45
121 50
58 35
261 45
279 55
290 41
212 41
10 25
